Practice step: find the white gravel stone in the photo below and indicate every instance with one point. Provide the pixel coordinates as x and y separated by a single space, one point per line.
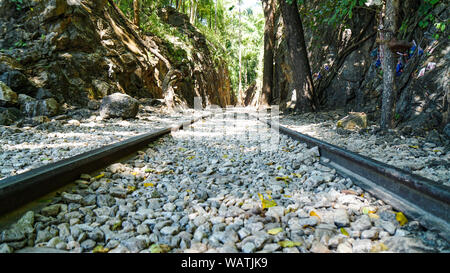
170 230
248 247
191 206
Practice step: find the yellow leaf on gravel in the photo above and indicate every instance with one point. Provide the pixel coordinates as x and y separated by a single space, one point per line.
373 216
99 176
266 203
283 178
343 231
155 248
296 175
368 210
313 213
414 146
289 244
289 210
149 185
379 247
100 249
274 231
131 189
401 218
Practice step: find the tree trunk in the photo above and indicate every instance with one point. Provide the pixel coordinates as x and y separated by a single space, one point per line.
193 14
215 17
240 93
269 41
298 57
388 65
136 20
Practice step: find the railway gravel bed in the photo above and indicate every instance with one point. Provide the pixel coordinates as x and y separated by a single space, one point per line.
218 187
428 157
29 146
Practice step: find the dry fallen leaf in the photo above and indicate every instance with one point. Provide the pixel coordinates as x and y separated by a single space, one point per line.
343 231
289 244
373 216
379 247
130 189
274 231
368 210
313 213
401 218
100 249
99 176
266 203
155 248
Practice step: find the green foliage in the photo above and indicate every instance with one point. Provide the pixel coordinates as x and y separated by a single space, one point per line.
20 44
329 12
427 18
18 3
425 11
222 33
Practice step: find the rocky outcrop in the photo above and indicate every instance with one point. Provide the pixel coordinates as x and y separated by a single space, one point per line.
354 121
209 77
343 62
7 96
78 51
119 105
9 115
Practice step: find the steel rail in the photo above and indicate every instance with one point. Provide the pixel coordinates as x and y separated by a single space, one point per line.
18 190
417 197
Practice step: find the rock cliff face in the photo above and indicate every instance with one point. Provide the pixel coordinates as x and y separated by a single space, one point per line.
208 77
349 79
76 51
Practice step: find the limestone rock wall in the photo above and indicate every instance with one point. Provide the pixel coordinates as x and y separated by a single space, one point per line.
349 79
76 51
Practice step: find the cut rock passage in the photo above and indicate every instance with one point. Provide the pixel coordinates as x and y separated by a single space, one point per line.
202 190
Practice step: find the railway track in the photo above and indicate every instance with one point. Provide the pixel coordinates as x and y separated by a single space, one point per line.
18 190
418 198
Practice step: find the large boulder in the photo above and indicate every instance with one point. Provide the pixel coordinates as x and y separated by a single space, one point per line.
119 105
32 107
7 96
9 115
18 82
447 130
353 121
